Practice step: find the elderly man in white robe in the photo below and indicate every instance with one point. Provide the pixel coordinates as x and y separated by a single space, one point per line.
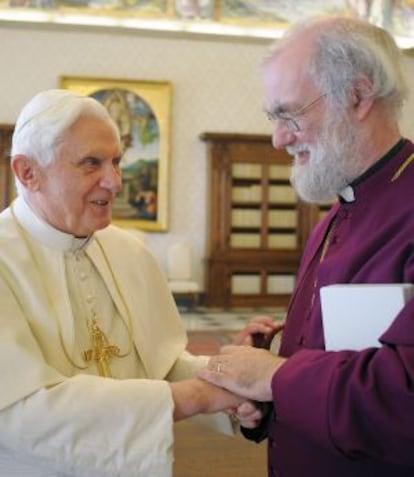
93 364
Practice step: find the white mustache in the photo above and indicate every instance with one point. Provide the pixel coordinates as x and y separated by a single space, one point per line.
297 148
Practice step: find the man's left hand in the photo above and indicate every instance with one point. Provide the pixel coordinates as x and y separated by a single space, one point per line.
243 370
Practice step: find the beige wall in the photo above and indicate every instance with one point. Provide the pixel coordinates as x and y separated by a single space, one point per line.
216 88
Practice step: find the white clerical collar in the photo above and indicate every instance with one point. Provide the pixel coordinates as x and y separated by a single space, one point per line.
347 194
43 231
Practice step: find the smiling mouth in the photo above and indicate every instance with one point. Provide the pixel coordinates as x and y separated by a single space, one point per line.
298 151
101 203
302 157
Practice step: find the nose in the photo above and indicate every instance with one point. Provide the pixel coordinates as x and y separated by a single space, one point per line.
111 179
282 136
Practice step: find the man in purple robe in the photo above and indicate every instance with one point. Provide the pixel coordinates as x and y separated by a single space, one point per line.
334 92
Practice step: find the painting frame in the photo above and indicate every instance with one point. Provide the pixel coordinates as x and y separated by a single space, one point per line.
152 101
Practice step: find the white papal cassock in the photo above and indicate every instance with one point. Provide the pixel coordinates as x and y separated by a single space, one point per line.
57 416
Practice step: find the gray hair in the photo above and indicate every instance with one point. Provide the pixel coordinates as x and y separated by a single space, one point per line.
346 50
46 118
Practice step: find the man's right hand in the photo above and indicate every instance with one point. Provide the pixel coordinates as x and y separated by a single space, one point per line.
196 396
259 332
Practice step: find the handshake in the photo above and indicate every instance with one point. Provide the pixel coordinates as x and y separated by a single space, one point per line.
246 368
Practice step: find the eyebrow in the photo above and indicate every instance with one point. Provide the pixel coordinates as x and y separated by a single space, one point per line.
283 108
81 161
279 110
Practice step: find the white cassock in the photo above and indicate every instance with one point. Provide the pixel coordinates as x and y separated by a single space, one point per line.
57 416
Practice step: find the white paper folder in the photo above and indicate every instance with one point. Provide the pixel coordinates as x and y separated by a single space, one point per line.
355 316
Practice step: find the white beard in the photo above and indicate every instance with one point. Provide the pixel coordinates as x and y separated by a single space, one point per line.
334 161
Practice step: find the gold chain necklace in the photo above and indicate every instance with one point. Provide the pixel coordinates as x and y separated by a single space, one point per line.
101 351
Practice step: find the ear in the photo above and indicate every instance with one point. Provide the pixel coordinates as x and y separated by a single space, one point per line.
362 98
27 171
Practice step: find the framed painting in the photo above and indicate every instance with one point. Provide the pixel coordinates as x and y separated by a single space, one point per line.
247 19
397 17
142 111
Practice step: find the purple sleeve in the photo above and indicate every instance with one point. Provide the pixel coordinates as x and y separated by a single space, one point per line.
360 403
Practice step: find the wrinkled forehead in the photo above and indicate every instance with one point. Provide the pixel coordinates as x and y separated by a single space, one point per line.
286 73
88 129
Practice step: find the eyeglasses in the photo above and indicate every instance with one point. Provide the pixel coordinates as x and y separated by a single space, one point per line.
290 121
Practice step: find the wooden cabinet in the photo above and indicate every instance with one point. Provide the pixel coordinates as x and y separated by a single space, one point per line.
257 226
6 179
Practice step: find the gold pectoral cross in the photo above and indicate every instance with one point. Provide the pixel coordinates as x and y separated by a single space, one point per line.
101 351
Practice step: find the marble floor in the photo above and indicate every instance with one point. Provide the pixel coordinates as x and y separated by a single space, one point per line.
209 319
